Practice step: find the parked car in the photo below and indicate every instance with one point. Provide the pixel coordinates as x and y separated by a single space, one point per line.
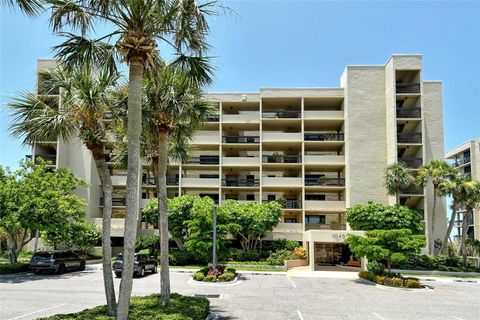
56 261
142 263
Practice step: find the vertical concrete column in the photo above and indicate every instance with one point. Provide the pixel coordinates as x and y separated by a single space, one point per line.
363 263
311 255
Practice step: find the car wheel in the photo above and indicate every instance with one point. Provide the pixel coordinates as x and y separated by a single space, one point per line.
82 266
36 271
142 272
118 274
61 269
154 270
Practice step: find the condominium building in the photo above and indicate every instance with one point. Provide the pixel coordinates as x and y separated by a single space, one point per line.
466 159
318 150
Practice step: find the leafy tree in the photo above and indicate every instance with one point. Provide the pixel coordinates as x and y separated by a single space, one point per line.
397 176
137 27
436 171
471 200
391 246
150 242
29 7
86 96
254 218
81 235
375 216
200 230
35 198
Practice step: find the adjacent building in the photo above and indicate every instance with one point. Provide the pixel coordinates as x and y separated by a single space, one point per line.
466 159
319 150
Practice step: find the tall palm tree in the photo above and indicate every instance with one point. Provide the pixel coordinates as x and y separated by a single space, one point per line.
471 201
137 27
174 109
454 187
86 98
397 176
29 7
436 171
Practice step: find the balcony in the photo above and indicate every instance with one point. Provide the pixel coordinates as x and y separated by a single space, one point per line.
201 182
323 114
411 113
213 118
282 137
234 182
119 180
240 161
325 159
290 114
324 136
117 226
408 88
284 182
461 162
412 163
288 227
325 205
325 226
212 160
250 117
276 158
116 202
324 181
413 137
411 191
241 139
287 204
206 137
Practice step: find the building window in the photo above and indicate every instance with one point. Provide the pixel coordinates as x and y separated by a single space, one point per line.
250 197
290 220
315 197
317 219
271 197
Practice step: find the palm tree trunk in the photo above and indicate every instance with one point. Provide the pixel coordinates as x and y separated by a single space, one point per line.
463 246
444 249
106 180
432 228
133 182
163 215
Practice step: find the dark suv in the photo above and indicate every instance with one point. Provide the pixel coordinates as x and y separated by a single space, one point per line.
142 263
57 261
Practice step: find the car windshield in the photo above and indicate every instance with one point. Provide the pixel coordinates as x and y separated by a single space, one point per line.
119 258
42 256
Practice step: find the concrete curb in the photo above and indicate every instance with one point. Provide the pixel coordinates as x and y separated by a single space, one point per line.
380 286
215 284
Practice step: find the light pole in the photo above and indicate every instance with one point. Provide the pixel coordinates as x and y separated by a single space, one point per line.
214 262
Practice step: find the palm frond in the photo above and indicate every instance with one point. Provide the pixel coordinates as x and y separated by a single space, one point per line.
29 7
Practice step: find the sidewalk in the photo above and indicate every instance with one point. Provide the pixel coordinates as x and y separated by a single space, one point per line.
327 272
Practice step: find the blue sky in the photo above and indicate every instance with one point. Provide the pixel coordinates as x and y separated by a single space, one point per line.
297 44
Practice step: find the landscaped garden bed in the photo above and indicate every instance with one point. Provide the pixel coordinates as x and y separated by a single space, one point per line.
215 274
391 280
8 268
149 308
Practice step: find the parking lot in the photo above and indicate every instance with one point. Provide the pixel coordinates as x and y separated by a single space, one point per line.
28 296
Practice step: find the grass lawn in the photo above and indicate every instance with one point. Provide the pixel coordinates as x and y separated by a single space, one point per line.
438 276
149 308
239 268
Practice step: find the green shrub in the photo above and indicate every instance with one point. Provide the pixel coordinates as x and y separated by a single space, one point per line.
363 274
181 258
388 282
7 268
199 276
149 308
301 253
144 251
281 244
231 270
278 257
397 282
376 268
249 256
227 276
210 279
412 283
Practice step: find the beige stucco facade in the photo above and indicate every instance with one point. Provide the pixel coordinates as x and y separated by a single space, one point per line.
320 150
466 159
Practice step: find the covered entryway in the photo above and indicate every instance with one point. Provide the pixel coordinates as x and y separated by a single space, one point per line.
327 254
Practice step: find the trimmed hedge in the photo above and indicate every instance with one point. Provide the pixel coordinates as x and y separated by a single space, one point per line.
149 308
14 268
219 274
390 280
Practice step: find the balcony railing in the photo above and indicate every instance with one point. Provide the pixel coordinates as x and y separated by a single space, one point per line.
281 114
234 182
413 163
324 136
203 160
325 226
409 112
213 118
116 202
413 137
323 181
461 162
411 190
46 157
282 158
287 204
241 139
408 87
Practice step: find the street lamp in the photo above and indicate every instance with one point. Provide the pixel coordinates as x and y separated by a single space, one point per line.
214 260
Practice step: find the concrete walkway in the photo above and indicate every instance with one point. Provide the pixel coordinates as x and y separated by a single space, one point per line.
325 272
